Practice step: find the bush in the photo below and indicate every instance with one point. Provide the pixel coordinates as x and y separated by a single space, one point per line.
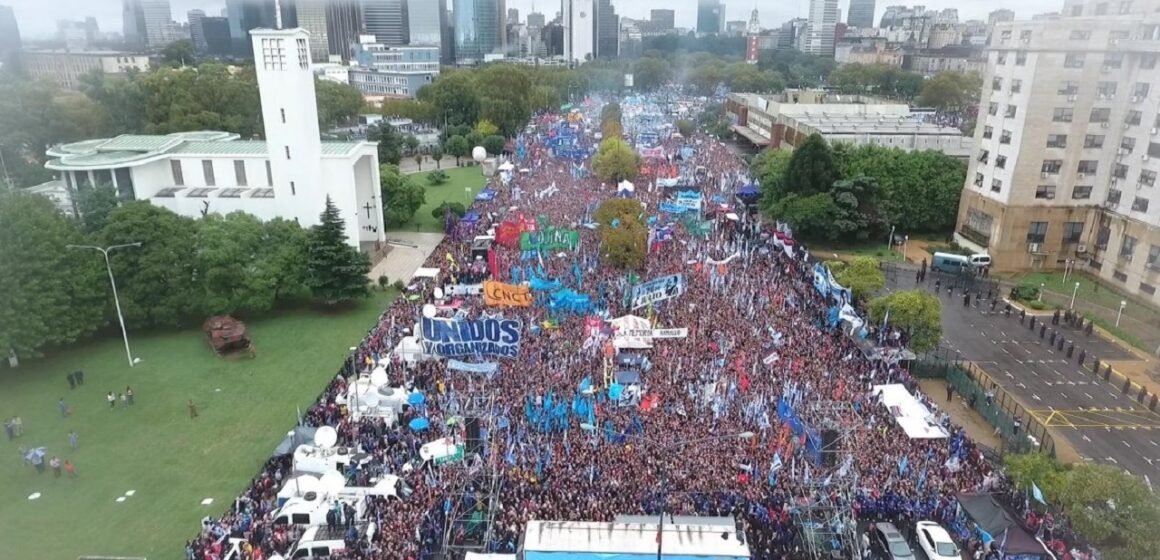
399 285
384 281
1025 292
1038 305
455 207
438 177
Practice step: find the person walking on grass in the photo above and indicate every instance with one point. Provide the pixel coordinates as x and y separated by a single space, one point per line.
55 464
129 395
72 439
70 469
112 399
192 409
63 407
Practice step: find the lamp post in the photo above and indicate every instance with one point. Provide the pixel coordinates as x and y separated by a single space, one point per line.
1120 313
112 282
1073 292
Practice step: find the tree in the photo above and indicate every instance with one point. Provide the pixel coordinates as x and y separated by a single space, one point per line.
509 114
769 168
51 295
503 91
179 54
36 115
811 217
862 276
94 205
418 111
454 97
336 273
437 178
915 311
485 128
615 161
211 97
742 76
623 237
650 73
401 196
919 190
543 98
229 269
437 155
473 140
812 169
418 157
612 129
410 143
390 142
856 213
950 91
457 147
494 144
1038 469
1112 509
283 258
685 127
610 112
121 98
337 103
454 207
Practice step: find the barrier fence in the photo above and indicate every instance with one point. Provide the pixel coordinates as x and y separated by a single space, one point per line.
989 399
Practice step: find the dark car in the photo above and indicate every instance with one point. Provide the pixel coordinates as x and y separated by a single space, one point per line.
887 542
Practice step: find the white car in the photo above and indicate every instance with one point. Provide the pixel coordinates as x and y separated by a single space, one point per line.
936 542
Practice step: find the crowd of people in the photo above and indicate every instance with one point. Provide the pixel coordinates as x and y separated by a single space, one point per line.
706 439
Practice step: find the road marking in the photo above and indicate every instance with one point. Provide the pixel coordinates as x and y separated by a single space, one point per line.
1057 372
1036 397
1087 439
1153 442
1021 386
1003 334
1062 394
1089 395
1126 444
1113 460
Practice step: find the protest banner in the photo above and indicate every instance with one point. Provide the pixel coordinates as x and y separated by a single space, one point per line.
508 295
670 208
487 368
658 289
463 289
658 333
550 239
451 338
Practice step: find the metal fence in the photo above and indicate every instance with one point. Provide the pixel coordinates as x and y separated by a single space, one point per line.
989 399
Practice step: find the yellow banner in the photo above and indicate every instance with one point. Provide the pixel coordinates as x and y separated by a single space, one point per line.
510 295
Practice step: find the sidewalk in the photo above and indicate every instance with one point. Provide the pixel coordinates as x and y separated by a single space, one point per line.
403 260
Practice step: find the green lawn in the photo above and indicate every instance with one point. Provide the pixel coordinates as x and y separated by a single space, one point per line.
879 251
465 183
172 462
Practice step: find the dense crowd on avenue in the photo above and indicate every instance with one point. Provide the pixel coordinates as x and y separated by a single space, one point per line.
703 436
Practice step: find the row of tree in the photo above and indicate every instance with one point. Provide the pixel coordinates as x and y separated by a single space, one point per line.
851 193
183 271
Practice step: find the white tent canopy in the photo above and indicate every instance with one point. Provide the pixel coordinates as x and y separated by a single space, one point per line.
425 272
912 416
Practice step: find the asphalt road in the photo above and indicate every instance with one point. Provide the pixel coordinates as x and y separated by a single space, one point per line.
1100 421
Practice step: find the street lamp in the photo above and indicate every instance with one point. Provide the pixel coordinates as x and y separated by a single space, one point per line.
1073 292
1120 313
116 300
1041 286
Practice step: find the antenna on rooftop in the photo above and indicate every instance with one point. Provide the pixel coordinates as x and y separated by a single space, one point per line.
277 14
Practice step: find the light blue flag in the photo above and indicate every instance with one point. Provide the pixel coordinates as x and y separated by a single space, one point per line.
1037 494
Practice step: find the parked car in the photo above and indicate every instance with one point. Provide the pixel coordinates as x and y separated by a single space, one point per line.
887 542
936 542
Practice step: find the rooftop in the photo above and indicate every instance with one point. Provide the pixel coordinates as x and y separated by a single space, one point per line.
679 540
82 53
872 124
130 149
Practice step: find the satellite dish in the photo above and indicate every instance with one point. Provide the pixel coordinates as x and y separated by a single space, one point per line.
438 292
332 481
429 311
479 153
379 377
325 437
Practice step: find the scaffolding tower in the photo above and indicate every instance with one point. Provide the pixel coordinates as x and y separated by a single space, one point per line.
824 512
475 498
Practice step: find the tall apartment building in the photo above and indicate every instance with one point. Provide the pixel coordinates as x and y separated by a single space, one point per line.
710 17
819 35
312 18
148 23
9 30
663 20
196 31
536 20
386 20
426 21
246 15
477 29
1068 145
861 14
607 30
579 31
343 26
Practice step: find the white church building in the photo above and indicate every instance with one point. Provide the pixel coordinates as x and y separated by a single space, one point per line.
288 175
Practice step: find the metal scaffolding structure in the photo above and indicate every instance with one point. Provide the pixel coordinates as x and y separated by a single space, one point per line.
824 512
475 500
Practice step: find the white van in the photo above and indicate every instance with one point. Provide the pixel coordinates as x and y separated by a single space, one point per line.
958 264
321 542
311 510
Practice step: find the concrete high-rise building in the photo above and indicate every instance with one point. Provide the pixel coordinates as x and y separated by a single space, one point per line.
536 20
579 30
343 26
245 15
196 31
710 17
147 23
861 14
1068 146
607 30
477 29
663 20
312 18
427 21
9 30
216 31
1002 15
513 16
386 20
819 36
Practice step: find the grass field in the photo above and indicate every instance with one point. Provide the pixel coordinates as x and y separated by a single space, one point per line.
454 190
172 462
879 251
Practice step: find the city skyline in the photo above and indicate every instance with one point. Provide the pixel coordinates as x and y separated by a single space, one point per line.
37 19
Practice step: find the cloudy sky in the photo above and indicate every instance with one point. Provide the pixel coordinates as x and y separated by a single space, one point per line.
38 17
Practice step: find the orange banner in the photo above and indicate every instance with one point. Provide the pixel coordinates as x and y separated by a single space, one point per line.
510 295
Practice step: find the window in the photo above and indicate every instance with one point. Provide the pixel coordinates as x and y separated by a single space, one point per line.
1127 247
1056 140
1113 61
993 109
1141 89
1114 37
303 55
1062 114
1088 167
1120 171
1148 61
1001 59
978 179
273 54
1010 114
1114 197
1102 9
1005 137
1068 88
269 175
240 172
1077 10
1046 192
287 152
1125 7
1127 144
1122 277
1025 35
1036 232
1081 192
1139 204
1079 35
1153 149
1020 58
1072 232
1073 60
1005 35
178 176
1051 166
1133 118
988 132
1153 255
985 156
207 169
996 185
1147 288
1147 178
1093 141
1001 162
293 191
996 84
1106 90
1100 115
1016 86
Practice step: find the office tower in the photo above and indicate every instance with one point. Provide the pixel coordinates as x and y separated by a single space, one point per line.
1068 146
607 30
386 20
216 32
579 30
196 31
536 20
477 29
513 16
819 35
861 14
426 21
245 15
343 24
710 17
92 29
663 20
9 30
1000 16
148 23
312 18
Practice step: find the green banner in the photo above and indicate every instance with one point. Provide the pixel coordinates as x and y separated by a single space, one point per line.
453 458
550 239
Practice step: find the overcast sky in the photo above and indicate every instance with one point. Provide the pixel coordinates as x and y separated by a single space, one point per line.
38 17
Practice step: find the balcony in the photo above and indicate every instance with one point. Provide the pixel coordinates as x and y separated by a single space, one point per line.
975 236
